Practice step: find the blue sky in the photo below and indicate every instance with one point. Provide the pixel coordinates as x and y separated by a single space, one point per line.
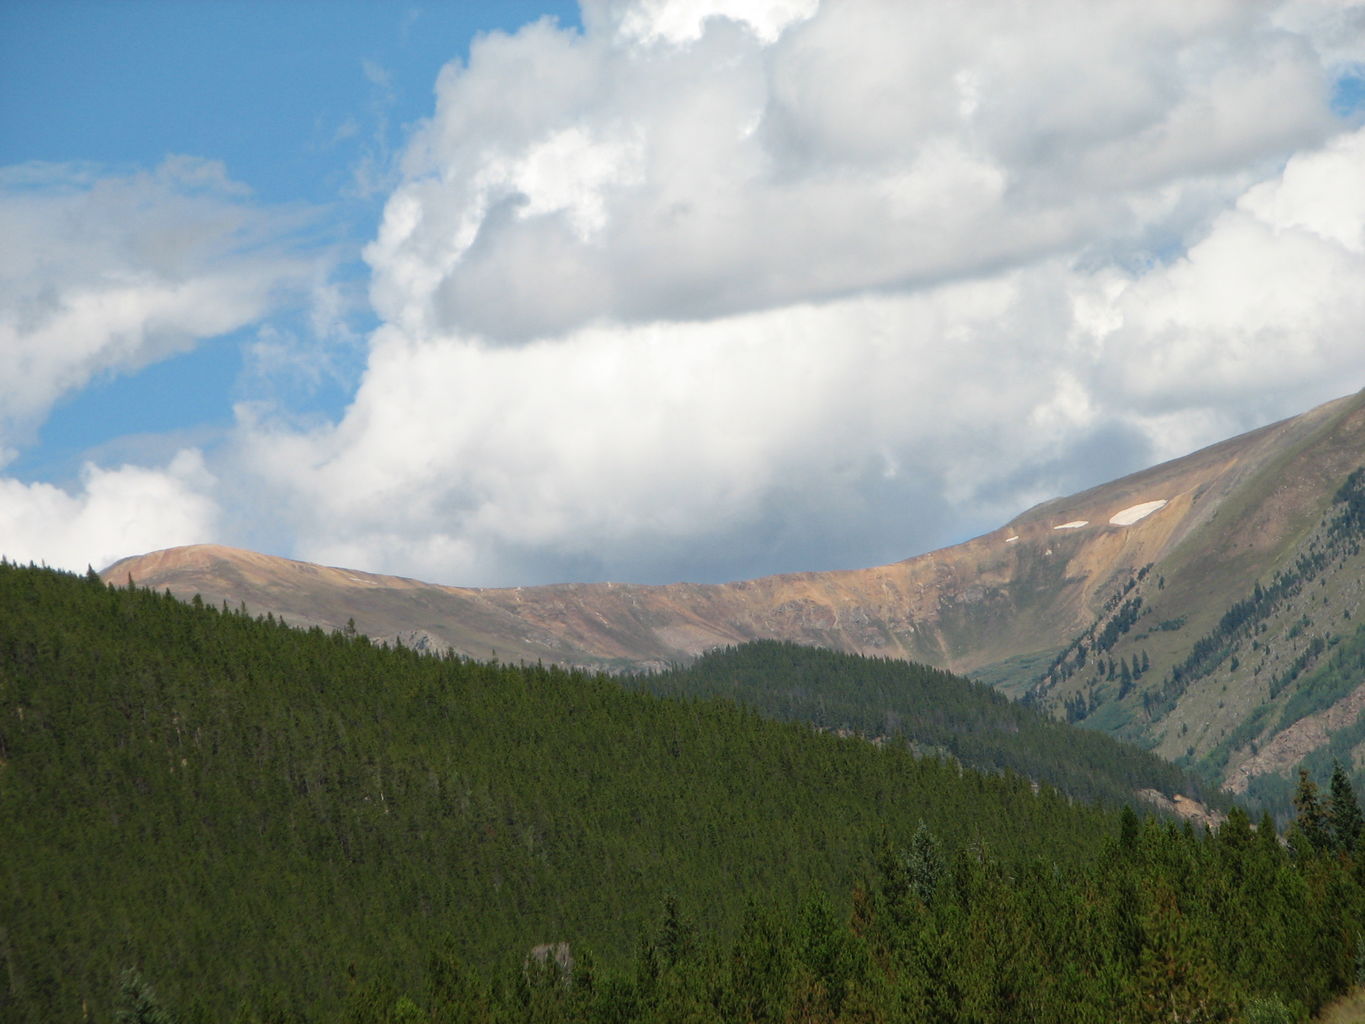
291 96
504 293
300 101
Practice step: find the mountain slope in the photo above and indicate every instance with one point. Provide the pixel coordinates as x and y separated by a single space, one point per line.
1192 538
1244 674
960 608
934 711
236 807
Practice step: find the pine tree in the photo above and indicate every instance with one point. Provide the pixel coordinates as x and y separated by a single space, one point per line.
824 949
1343 813
1178 979
677 937
1128 830
1309 834
924 864
760 969
138 1003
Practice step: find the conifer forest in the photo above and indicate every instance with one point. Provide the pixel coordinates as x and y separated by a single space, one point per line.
210 817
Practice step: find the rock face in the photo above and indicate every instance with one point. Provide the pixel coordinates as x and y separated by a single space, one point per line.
1184 807
1191 537
550 958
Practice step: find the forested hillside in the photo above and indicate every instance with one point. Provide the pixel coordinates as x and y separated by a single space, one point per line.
209 817
238 807
933 710
1207 609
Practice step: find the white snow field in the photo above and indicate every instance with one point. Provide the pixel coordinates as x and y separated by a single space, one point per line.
1133 513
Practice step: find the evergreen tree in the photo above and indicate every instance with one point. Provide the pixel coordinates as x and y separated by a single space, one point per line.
924 864
1343 813
1128 830
760 969
825 949
1178 980
251 808
138 1003
1309 834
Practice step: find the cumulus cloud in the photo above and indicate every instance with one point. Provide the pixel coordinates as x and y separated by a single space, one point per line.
675 162
683 21
115 512
708 290
613 450
106 273
836 433
1259 314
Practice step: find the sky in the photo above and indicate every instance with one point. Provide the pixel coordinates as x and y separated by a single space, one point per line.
508 293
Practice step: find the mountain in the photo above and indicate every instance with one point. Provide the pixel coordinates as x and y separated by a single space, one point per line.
936 713
213 817
1142 570
1238 648
240 808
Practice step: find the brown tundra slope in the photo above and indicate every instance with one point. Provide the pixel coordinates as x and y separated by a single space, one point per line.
1189 538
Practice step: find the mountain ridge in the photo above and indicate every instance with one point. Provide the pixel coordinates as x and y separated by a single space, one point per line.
1142 570
901 609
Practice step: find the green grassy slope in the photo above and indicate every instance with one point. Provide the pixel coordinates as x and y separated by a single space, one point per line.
1214 657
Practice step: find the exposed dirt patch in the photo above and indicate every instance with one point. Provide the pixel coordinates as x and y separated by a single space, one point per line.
1349 1009
1191 810
1292 745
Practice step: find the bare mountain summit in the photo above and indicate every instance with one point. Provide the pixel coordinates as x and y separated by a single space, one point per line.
1140 570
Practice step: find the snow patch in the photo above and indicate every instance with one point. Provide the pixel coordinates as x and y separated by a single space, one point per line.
1075 524
1011 540
1133 513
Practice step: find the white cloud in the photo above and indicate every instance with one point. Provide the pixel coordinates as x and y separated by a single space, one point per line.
106 274
1268 303
568 179
1320 192
676 22
115 512
1335 28
694 297
710 290
670 449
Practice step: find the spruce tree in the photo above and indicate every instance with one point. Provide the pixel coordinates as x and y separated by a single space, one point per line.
1343 813
1178 979
924 864
1309 834
138 1003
